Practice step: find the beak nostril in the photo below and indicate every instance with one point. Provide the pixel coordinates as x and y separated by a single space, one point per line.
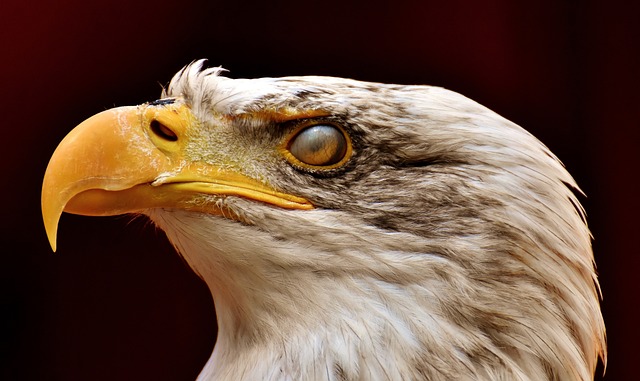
163 131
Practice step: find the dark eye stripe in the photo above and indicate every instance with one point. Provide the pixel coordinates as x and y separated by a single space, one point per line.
319 145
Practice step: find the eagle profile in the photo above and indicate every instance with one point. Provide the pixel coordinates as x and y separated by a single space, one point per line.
351 230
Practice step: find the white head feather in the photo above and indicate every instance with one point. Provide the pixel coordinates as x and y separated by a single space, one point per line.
451 247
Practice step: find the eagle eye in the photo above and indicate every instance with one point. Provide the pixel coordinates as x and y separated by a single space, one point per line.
319 145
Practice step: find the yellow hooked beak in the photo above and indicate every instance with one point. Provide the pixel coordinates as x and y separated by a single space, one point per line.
129 159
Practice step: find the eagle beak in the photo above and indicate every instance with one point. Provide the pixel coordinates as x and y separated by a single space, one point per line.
129 159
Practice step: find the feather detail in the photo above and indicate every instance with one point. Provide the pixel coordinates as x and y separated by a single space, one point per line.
450 246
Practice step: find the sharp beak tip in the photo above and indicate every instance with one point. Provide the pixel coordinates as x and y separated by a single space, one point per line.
51 228
52 242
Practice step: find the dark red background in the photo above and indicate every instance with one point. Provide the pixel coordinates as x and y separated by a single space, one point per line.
115 303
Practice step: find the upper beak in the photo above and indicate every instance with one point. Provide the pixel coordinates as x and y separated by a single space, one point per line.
129 159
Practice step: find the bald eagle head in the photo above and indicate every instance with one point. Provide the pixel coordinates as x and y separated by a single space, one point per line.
351 230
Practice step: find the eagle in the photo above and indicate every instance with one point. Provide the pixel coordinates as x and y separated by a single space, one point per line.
350 230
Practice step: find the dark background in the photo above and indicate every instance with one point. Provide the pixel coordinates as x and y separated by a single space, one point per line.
115 302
